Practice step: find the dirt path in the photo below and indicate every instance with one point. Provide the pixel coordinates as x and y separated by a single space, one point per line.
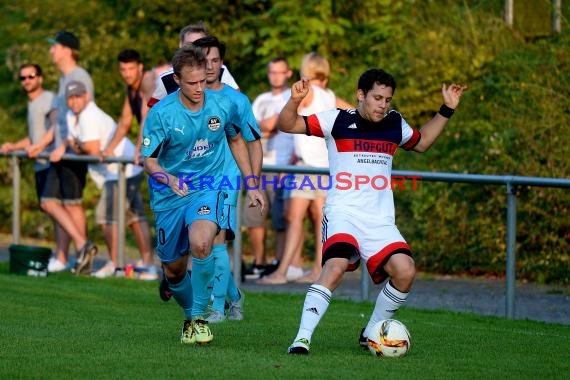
475 295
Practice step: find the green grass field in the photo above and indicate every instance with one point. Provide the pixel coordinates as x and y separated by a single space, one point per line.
64 327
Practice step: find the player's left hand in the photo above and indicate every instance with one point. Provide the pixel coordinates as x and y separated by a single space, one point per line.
452 94
256 199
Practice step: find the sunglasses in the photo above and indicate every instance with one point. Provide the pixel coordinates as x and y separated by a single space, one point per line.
31 76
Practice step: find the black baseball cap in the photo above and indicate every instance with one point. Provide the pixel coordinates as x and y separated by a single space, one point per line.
66 39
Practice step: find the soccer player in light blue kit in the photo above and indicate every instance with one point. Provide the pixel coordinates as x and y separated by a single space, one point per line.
183 146
223 282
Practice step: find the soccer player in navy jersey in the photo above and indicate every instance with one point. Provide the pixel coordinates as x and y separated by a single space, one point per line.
183 146
359 221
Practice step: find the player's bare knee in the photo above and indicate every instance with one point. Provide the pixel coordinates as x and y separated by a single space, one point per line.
401 267
174 273
201 249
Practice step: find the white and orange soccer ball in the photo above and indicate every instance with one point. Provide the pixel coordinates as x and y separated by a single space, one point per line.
389 338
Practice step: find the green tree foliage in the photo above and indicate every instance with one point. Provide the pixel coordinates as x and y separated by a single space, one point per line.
512 120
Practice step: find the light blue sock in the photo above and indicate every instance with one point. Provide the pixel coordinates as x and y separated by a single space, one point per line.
233 291
221 276
202 273
182 293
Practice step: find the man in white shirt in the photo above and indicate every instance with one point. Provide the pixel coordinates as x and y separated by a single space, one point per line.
90 130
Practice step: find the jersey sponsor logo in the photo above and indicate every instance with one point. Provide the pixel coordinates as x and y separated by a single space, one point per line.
146 141
214 123
371 161
352 126
179 129
362 145
204 210
202 148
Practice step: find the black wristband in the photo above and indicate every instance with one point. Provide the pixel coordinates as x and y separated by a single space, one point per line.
445 111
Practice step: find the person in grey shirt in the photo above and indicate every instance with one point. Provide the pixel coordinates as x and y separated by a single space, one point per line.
39 106
59 200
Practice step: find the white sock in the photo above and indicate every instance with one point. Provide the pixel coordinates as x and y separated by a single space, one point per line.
388 302
316 304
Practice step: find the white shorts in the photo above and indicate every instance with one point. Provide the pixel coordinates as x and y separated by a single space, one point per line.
358 237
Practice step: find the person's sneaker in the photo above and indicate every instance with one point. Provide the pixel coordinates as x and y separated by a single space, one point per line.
147 273
54 265
85 258
164 290
254 272
107 270
294 273
235 311
299 347
362 340
188 336
215 316
202 331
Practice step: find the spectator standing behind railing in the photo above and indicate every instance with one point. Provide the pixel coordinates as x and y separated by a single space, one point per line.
90 130
62 196
39 106
140 86
135 107
310 151
277 150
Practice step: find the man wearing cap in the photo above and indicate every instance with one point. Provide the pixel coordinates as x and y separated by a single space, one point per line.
63 203
90 131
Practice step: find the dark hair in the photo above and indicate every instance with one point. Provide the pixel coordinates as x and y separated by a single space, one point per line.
129 55
210 42
279 59
189 55
372 76
193 28
34 65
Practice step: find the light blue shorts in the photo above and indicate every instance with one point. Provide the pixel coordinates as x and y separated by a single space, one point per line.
172 225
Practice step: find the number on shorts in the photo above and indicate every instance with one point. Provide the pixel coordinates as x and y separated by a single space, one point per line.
161 236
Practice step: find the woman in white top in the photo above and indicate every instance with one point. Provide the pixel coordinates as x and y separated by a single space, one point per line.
310 191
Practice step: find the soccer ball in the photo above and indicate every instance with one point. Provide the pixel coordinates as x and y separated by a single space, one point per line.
389 338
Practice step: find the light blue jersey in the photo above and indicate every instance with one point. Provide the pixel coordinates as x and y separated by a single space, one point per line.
189 145
250 132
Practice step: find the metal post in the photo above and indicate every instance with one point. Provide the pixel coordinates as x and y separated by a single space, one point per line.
16 176
556 14
364 283
121 215
237 244
511 247
509 12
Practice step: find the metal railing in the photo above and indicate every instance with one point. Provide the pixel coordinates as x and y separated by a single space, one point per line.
509 181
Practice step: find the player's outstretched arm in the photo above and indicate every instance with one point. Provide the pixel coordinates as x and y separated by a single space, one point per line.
289 121
432 129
